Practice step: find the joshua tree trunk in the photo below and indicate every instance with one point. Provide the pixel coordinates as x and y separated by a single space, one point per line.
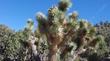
76 54
52 53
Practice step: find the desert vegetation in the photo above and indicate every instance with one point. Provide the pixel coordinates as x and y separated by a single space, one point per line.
59 37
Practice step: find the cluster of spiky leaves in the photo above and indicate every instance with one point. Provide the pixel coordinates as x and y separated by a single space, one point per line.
9 45
13 44
103 50
98 54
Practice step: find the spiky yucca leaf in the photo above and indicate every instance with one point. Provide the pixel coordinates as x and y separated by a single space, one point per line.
64 4
30 24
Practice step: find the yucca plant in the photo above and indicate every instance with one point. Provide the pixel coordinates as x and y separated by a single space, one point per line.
62 33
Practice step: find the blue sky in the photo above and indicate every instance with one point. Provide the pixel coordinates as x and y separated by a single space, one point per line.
15 13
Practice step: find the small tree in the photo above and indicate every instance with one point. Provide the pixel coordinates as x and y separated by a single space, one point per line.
62 33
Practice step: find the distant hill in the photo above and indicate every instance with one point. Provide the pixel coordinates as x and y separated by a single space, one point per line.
103 28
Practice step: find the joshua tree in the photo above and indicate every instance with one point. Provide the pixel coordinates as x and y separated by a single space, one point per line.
62 33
